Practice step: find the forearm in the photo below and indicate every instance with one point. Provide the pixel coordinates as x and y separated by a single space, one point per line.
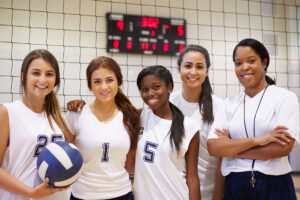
11 184
226 147
194 188
266 152
220 181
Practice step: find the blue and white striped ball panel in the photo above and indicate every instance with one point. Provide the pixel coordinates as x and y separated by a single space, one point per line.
61 162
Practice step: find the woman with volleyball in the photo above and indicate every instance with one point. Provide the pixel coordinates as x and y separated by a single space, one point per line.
27 125
256 131
196 101
167 153
106 133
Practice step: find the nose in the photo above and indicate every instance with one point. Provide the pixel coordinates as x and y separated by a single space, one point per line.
103 85
43 78
193 70
245 66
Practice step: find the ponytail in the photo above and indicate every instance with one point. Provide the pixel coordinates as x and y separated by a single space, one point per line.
52 108
131 118
270 81
206 103
177 127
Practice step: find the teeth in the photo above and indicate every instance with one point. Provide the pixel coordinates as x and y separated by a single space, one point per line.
41 87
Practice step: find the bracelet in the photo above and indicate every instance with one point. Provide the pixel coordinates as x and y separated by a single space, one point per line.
131 176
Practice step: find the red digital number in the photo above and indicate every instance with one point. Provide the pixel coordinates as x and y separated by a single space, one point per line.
120 25
154 46
150 22
129 45
180 30
181 47
116 44
166 47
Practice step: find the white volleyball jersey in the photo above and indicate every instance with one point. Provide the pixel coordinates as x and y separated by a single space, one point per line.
207 165
104 147
278 107
160 173
29 132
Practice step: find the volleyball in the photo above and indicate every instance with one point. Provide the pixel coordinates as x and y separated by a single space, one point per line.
61 162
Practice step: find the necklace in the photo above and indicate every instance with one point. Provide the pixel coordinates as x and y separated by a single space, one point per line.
252 179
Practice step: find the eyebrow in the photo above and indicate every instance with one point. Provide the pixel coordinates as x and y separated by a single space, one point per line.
247 58
191 62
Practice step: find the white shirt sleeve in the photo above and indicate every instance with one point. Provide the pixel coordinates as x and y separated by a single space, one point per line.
219 121
70 118
288 115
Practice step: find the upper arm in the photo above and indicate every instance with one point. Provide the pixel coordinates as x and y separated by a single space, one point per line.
191 157
4 131
288 114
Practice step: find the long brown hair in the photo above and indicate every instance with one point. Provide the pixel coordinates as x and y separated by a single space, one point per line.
51 103
205 100
131 118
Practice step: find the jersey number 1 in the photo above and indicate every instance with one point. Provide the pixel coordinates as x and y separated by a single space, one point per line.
105 147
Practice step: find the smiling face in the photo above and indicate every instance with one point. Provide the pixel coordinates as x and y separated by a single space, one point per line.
193 69
104 84
40 78
155 92
250 69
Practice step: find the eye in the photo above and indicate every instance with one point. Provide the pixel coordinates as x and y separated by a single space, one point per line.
238 63
50 74
187 66
36 73
251 61
96 81
110 80
156 87
144 89
200 67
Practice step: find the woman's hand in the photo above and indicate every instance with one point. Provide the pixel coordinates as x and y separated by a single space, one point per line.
44 190
278 135
75 105
222 133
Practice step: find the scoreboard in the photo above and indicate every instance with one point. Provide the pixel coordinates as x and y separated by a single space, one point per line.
145 35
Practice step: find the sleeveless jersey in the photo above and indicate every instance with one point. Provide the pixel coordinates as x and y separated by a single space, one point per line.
104 147
160 173
207 165
29 132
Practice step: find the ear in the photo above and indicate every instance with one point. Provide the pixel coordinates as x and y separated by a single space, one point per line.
207 71
22 76
170 88
265 62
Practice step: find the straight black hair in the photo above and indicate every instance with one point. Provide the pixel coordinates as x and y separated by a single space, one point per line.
177 127
205 100
260 50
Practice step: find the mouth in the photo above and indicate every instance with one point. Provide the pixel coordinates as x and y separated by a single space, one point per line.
246 76
192 78
42 87
104 93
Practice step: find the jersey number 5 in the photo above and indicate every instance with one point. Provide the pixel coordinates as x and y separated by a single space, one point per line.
150 154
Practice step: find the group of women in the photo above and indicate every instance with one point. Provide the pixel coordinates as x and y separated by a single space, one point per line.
174 148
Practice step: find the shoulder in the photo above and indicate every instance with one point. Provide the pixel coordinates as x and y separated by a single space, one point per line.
175 96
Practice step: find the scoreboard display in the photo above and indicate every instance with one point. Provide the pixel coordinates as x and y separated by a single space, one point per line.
145 35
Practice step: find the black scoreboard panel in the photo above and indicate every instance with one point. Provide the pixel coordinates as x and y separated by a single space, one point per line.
145 35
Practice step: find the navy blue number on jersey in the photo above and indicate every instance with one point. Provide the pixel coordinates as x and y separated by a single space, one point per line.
105 147
43 141
149 154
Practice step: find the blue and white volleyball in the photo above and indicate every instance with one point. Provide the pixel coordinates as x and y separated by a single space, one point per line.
61 162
